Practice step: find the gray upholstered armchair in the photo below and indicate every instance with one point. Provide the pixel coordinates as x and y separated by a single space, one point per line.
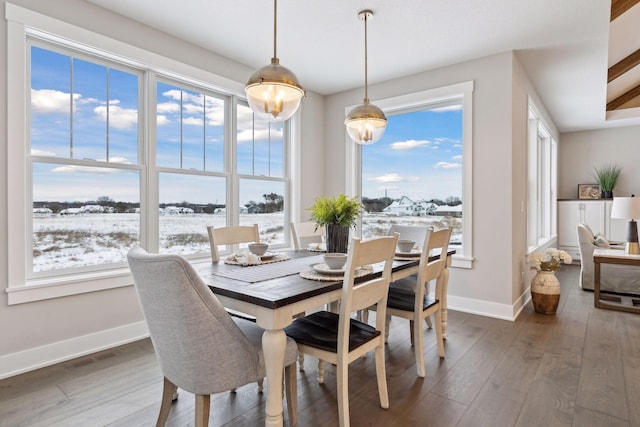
199 346
613 278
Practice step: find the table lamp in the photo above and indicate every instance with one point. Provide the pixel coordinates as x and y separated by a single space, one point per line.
628 208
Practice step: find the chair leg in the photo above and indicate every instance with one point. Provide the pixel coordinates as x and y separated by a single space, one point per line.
168 390
291 390
301 361
387 322
203 406
412 331
321 371
381 375
439 333
260 383
428 322
343 392
418 346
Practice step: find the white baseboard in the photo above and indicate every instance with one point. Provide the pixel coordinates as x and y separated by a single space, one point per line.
488 308
46 355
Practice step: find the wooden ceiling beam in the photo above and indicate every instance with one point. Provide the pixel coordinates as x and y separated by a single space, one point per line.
623 66
618 7
624 98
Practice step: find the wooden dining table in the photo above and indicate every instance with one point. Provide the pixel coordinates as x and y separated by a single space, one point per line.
275 292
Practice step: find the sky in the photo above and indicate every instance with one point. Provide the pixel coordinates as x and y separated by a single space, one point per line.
419 155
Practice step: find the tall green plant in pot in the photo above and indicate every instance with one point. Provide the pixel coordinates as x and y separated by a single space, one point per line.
607 176
338 214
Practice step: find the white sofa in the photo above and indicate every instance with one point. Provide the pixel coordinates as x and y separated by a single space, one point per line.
613 278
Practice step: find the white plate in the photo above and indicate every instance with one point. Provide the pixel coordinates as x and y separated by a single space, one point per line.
413 253
323 268
267 256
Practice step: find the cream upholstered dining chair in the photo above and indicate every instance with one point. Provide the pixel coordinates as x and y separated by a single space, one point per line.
339 339
304 233
231 235
200 348
408 297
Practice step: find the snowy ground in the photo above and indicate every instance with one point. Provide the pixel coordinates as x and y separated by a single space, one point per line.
61 242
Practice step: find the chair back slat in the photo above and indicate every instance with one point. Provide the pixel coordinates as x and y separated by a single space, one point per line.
231 235
304 233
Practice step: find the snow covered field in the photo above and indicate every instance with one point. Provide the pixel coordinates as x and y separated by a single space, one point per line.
61 242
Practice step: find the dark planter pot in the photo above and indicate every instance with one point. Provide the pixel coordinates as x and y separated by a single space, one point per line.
337 238
607 194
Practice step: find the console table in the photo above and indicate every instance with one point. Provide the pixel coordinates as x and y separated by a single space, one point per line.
603 299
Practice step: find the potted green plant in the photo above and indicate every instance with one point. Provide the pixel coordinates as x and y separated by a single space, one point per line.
607 176
337 214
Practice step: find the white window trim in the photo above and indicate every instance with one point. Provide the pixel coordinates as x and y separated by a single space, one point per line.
464 91
22 22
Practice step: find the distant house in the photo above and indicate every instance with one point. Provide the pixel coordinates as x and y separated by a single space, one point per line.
42 211
91 209
177 210
444 210
70 211
423 208
403 206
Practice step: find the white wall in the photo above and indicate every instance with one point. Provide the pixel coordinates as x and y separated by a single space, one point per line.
580 152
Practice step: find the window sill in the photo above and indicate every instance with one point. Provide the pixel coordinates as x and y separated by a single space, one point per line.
43 289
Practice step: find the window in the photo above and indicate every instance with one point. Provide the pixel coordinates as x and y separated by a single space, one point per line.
419 173
119 152
542 182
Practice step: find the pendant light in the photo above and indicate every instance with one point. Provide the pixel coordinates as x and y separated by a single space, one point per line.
366 122
273 89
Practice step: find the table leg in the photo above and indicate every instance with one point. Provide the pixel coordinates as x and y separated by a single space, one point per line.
273 347
596 284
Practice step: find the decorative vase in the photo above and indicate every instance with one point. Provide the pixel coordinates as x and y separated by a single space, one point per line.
545 292
337 238
607 194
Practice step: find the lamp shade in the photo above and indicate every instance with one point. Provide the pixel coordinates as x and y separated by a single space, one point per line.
626 208
365 123
274 90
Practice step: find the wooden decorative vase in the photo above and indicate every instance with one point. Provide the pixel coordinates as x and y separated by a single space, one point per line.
545 292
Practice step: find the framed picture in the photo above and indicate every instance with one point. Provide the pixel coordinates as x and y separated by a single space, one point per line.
588 191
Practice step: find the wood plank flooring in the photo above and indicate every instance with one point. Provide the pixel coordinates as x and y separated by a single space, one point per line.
580 367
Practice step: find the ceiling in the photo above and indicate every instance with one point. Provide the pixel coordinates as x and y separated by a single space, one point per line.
563 45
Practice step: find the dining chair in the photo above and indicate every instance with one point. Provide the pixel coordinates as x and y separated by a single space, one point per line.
339 339
199 346
231 235
304 233
416 233
409 299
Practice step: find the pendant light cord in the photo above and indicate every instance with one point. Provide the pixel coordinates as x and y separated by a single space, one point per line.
275 26
366 80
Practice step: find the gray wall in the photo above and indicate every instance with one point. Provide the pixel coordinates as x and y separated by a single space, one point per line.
580 152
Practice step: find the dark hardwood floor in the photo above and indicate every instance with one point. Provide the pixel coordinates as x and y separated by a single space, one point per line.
580 367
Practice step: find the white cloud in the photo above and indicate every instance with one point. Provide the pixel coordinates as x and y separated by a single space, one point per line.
249 135
457 158
48 101
193 121
168 107
36 152
121 118
394 177
84 169
408 145
161 119
447 165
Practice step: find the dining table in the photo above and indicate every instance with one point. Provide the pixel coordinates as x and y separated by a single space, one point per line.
275 291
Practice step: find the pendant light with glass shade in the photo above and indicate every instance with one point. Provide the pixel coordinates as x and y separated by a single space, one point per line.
274 90
366 122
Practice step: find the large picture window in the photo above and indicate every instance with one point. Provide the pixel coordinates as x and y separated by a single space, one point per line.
419 173
119 152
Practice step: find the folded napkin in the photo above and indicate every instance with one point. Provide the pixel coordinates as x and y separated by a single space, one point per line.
245 258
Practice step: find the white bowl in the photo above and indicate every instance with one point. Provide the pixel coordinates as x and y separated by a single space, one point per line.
258 248
405 245
335 260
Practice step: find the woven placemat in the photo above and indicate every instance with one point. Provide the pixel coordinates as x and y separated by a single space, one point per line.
276 258
314 275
